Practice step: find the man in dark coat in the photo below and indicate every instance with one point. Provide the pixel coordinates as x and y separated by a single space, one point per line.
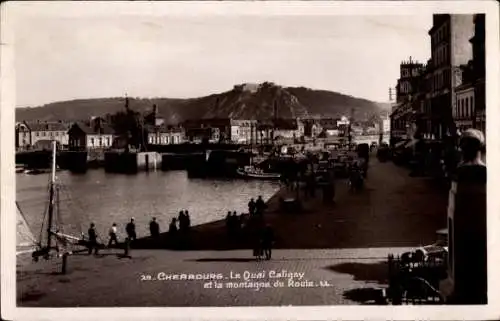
260 206
154 228
130 229
267 241
92 239
251 207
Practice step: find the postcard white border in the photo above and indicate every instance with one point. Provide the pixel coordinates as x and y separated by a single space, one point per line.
18 10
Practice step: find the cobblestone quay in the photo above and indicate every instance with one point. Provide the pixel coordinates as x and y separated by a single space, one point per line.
339 250
393 210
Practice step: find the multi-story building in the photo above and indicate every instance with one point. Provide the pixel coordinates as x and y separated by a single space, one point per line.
479 71
469 108
221 130
450 34
403 116
210 129
273 129
29 135
165 135
91 135
329 126
464 109
243 131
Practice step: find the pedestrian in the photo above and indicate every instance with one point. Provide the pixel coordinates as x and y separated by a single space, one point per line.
228 223
268 241
187 219
154 228
236 221
172 228
251 207
92 245
112 235
257 251
260 206
130 229
182 221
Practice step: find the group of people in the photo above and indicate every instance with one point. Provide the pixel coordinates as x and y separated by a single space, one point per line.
93 244
234 223
264 243
184 223
256 207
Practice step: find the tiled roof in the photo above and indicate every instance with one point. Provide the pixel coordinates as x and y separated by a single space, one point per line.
279 124
162 129
328 123
103 129
55 126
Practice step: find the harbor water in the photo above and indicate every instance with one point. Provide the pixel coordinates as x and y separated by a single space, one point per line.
104 199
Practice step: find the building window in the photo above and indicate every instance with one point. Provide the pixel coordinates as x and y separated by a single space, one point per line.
100 141
91 142
471 106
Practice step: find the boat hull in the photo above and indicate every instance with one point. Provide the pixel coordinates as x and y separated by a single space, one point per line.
264 176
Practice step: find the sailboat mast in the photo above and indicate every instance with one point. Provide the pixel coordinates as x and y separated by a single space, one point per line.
51 196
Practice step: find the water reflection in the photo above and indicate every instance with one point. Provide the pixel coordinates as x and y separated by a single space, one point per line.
104 198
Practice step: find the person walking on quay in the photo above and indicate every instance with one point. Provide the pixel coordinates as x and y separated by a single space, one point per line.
267 241
92 239
112 235
172 231
236 222
154 228
172 228
228 223
182 220
260 206
258 246
187 219
251 207
130 229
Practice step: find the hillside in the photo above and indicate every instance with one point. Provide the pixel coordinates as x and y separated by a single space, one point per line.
247 101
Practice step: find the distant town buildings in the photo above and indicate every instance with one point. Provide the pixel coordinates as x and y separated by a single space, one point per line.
164 135
36 135
93 135
127 129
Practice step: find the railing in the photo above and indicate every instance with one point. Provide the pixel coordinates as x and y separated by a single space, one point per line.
414 279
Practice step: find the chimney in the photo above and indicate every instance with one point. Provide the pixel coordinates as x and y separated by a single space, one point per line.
126 103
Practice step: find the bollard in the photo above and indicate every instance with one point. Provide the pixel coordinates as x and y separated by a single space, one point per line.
64 263
127 247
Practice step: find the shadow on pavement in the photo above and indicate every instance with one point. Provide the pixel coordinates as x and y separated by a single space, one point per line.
368 296
372 272
32 296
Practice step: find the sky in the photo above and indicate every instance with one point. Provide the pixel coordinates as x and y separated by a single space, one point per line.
183 57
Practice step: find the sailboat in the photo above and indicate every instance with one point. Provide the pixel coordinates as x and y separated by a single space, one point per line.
52 241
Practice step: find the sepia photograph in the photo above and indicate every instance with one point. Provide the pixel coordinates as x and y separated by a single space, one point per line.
280 154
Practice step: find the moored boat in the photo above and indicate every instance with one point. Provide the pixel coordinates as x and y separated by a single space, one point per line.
256 173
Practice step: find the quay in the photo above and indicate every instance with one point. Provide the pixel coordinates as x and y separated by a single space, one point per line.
345 243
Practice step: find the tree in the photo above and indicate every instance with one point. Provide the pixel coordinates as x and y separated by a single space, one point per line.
128 126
